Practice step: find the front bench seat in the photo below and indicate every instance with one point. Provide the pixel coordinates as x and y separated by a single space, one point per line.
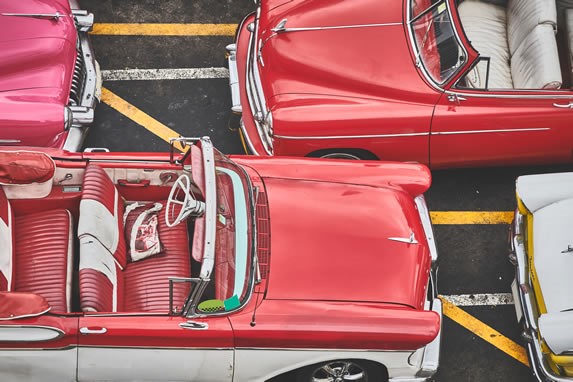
108 283
38 254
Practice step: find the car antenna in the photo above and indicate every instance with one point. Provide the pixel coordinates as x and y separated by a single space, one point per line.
253 322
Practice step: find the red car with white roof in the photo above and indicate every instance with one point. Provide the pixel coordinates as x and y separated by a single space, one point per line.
49 79
446 83
196 267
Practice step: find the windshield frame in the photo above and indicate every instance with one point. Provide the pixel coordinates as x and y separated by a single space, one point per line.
418 59
209 154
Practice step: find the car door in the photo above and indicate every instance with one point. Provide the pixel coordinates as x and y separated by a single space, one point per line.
41 348
483 128
154 348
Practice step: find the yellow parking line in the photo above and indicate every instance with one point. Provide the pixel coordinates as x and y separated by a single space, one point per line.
471 217
138 116
165 29
485 332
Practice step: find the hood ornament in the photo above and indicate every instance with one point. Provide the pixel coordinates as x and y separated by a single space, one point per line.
407 240
568 250
280 27
46 16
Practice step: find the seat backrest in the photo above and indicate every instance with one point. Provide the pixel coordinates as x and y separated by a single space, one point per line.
102 243
7 245
523 16
535 64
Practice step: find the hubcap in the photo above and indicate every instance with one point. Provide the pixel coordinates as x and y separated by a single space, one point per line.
341 371
340 156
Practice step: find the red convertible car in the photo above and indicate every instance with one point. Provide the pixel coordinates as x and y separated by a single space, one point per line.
196 267
49 80
446 83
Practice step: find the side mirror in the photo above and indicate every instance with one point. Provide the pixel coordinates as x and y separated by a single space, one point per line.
15 305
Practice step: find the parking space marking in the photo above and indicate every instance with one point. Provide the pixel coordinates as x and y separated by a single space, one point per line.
471 217
485 332
480 299
114 101
164 74
164 29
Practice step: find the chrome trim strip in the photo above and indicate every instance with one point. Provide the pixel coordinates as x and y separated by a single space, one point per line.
420 201
327 350
247 138
302 29
58 333
534 94
46 16
354 136
152 347
490 131
10 141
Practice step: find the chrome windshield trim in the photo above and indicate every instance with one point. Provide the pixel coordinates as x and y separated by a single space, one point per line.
490 131
437 86
353 136
210 208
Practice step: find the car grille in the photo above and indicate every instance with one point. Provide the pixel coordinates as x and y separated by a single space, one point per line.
78 80
263 234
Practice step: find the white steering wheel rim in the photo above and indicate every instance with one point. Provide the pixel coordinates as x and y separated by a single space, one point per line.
182 183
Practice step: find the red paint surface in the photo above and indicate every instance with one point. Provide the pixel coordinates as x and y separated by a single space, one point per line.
36 67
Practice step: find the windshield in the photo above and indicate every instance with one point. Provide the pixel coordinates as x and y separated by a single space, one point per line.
222 240
437 47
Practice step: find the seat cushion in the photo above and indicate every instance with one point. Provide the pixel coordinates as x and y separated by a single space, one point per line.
101 213
569 35
535 64
524 15
6 238
485 27
100 280
44 256
147 281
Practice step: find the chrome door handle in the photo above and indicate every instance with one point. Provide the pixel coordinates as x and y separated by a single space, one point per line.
193 325
93 331
456 98
567 106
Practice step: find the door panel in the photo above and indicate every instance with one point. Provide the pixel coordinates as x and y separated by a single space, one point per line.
154 348
38 349
469 129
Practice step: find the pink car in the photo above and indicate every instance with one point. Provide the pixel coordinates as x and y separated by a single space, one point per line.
49 80
446 83
252 268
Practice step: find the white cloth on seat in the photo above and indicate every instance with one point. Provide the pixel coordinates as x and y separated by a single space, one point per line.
524 15
535 64
485 26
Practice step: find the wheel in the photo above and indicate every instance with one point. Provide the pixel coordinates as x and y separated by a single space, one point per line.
339 371
176 210
341 156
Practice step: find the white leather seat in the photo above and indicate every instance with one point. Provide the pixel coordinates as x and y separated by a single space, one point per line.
519 40
569 35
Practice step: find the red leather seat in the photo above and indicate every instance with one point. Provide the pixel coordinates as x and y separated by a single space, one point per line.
108 282
38 255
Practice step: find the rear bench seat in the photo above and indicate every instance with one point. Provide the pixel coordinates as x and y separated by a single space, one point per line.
38 255
569 36
519 40
108 282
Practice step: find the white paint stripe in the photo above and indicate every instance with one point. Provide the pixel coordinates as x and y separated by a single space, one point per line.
480 299
164 74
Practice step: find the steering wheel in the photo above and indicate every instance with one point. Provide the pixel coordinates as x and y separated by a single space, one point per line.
189 205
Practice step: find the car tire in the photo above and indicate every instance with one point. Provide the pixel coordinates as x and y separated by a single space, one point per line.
340 371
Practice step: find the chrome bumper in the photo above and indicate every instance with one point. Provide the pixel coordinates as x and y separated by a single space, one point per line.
234 79
83 113
525 304
431 357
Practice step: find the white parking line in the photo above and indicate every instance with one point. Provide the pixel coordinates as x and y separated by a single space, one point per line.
164 74
480 299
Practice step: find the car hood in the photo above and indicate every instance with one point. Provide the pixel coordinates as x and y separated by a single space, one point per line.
336 48
331 242
36 52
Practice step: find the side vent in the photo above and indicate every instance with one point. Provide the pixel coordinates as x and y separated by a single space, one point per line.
263 234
